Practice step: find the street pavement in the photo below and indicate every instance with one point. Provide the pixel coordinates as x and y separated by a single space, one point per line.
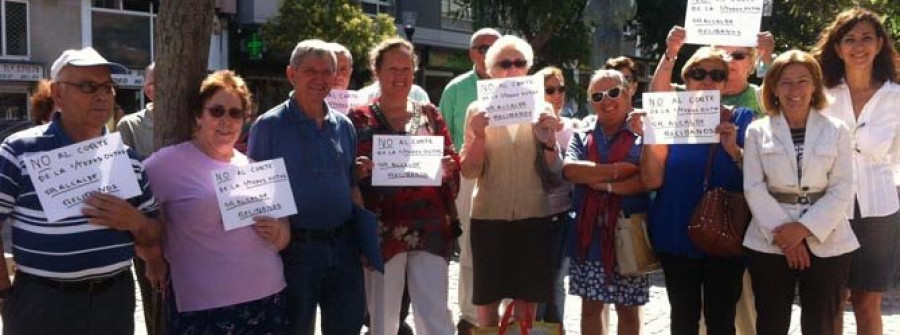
655 313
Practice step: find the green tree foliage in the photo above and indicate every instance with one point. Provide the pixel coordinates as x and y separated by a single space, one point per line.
798 23
554 28
339 21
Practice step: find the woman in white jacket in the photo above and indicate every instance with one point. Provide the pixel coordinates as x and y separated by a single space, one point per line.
798 180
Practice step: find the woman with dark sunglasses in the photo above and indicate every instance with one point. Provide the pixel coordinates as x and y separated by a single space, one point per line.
859 64
223 280
514 167
742 63
693 278
602 160
560 196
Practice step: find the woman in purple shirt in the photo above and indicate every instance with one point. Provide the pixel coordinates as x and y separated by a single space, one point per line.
223 281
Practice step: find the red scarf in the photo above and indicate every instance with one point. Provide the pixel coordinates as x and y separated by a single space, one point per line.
594 203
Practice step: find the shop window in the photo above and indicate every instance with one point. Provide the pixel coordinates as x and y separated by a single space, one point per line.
14 25
122 31
374 7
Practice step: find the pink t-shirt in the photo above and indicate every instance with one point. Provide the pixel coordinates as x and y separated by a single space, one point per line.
210 267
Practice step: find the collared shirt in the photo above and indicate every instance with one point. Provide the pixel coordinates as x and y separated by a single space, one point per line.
137 131
71 249
578 151
876 147
319 162
459 93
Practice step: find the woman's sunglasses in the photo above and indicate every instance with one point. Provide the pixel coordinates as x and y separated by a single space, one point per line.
613 93
699 74
219 111
508 63
553 89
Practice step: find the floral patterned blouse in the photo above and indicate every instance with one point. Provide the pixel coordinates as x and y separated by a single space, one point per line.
409 218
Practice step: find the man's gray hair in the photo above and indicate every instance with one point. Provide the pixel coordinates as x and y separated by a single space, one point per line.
313 47
483 32
609 74
341 50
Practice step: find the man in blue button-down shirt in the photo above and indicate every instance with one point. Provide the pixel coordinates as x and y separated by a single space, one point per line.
318 145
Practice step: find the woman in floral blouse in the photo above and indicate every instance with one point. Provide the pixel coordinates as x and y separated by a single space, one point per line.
413 221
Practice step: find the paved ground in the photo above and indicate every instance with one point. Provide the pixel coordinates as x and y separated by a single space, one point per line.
655 313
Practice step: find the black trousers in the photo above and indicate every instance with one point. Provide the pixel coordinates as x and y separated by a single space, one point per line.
820 287
713 283
35 308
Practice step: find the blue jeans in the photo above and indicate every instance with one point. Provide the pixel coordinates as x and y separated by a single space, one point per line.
326 274
554 311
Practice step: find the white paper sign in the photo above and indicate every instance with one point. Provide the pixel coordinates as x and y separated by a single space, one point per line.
511 100
723 22
258 189
343 100
407 160
63 178
681 117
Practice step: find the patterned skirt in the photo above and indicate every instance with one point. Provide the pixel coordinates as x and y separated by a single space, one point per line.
264 316
588 280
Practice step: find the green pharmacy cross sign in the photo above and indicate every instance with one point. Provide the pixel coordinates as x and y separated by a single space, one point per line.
254 46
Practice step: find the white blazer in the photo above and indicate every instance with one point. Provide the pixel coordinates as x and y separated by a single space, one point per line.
876 147
770 165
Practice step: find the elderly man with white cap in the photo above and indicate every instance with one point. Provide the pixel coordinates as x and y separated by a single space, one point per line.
74 276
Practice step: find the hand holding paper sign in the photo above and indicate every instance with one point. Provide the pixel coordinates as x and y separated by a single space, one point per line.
110 211
275 231
479 122
674 41
364 167
545 129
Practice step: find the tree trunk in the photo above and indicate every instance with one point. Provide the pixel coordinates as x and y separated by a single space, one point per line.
183 31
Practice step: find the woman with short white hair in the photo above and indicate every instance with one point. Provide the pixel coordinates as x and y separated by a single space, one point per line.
514 166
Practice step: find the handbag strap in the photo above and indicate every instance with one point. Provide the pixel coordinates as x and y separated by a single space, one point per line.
526 323
725 115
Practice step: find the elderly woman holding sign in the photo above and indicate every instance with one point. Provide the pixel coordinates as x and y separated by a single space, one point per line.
680 173
515 166
798 177
223 281
413 220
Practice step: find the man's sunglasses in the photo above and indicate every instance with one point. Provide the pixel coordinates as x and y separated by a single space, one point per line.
482 48
219 111
553 89
699 74
613 93
89 87
507 63
739 56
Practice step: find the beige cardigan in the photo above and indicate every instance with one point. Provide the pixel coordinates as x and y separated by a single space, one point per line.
507 185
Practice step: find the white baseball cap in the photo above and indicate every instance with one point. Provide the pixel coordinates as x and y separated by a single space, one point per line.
84 57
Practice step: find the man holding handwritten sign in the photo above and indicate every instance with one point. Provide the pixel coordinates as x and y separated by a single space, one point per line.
74 265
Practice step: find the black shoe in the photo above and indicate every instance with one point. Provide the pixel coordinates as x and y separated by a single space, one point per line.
464 327
404 329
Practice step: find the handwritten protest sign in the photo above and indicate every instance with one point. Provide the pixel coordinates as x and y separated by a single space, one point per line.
63 178
343 100
511 100
723 22
258 189
681 117
407 160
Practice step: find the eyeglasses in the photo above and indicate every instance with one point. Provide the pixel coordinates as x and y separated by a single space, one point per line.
699 74
613 93
89 87
482 48
508 63
553 89
739 55
218 111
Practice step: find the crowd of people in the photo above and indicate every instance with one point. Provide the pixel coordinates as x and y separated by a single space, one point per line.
815 151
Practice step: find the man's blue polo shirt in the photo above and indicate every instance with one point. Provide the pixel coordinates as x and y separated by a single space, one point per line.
319 162
71 249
